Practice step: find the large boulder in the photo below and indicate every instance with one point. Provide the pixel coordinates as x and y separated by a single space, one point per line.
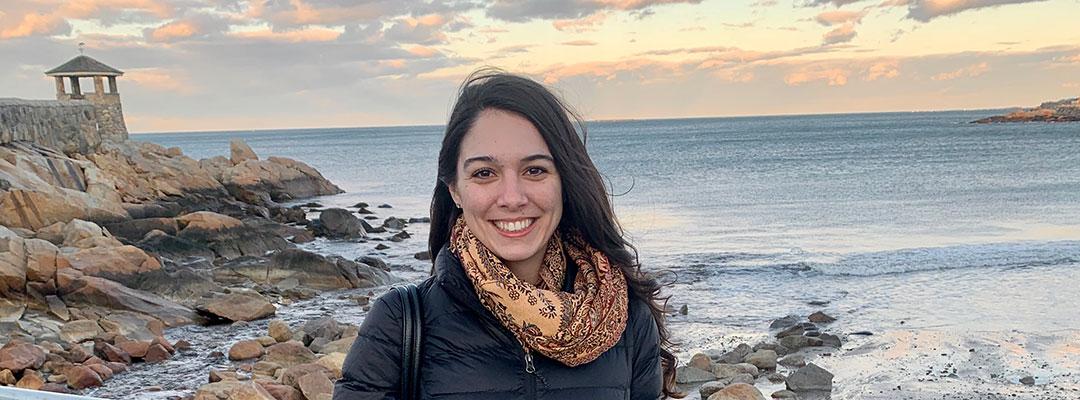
305 269
76 288
17 356
136 229
41 260
86 234
289 354
80 331
229 237
238 306
810 378
172 248
133 325
339 223
276 179
184 283
81 377
239 152
121 262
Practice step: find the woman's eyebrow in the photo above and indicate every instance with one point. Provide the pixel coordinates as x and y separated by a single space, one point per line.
488 159
535 157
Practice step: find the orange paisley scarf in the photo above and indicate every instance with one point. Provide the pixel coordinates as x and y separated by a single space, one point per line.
572 328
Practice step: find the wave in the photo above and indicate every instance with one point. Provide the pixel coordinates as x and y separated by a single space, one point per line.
991 255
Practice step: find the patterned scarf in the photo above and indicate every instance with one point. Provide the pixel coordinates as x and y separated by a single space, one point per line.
572 328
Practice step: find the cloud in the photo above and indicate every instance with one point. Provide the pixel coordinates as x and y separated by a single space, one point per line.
426 29
966 72
291 36
831 76
836 3
883 70
36 24
526 10
159 79
579 43
842 34
926 10
173 30
830 18
579 25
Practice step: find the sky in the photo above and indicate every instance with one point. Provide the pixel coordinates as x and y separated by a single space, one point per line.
196 65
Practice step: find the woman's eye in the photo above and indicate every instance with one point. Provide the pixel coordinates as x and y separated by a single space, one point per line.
483 173
535 171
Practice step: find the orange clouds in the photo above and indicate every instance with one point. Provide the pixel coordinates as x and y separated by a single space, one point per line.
42 17
883 70
830 18
421 51
832 76
966 72
294 36
173 30
158 79
580 24
34 23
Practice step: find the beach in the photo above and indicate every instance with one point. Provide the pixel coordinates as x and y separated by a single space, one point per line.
935 258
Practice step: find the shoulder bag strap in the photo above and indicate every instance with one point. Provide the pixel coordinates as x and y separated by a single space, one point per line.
411 334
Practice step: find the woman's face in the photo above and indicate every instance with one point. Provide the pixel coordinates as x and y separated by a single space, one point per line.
507 186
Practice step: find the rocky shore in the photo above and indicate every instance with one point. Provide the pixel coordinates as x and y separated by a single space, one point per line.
101 253
1067 110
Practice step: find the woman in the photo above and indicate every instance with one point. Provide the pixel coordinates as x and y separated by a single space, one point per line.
535 293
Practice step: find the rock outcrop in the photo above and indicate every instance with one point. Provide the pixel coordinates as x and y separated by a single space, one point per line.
1067 110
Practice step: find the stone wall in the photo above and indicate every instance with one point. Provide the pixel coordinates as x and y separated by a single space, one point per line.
71 126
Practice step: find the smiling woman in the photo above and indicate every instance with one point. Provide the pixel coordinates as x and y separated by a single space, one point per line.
535 293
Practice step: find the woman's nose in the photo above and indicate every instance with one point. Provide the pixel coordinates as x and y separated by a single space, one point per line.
512 193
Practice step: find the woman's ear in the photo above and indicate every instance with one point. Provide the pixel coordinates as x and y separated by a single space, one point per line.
454 194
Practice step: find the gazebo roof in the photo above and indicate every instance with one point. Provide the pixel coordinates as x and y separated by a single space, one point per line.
84 66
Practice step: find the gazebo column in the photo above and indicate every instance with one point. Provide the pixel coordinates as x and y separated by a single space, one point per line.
99 85
76 91
60 91
112 84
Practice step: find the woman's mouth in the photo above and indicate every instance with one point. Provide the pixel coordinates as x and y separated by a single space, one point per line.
514 228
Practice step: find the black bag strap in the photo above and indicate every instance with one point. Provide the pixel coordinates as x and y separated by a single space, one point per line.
411 335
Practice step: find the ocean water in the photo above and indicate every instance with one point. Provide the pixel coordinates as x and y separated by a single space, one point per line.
897 220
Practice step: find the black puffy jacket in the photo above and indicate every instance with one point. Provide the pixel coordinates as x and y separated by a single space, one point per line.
467 354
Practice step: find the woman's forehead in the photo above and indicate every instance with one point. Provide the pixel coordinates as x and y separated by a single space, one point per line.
500 136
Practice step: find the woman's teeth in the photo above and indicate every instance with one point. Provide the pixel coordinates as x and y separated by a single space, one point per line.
514 226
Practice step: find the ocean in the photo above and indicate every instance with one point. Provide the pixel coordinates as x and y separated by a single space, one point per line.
895 221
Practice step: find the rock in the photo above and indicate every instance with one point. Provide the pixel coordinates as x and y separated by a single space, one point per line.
798 342
736 355
810 378
78 289
340 223
156 353
420 220
137 229
339 346
103 371
41 260
775 378
785 322
795 330
316 271
1028 380
81 377
316 386
240 152
17 356
701 361
266 341
728 371
396 224
793 360
118 262
325 327
785 394
57 308
279 330
708 388
821 318
134 326
31 380
232 390
291 375
276 179
245 350
136 348
11 310
763 359
737 391
381 246
7 378
282 392
79 331
334 362
780 350
830 340
239 306
400 236
289 354
112 353
86 234
686 374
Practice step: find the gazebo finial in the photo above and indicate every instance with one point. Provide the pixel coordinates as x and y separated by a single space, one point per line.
81 45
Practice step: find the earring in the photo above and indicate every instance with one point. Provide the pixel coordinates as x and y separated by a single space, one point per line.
458 205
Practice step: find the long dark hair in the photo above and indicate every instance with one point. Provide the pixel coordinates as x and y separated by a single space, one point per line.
586 207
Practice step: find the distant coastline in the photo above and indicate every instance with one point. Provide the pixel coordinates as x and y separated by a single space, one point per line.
1067 110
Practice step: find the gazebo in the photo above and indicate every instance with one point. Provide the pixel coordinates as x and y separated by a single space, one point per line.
84 67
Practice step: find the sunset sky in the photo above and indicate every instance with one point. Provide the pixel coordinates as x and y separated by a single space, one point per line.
229 64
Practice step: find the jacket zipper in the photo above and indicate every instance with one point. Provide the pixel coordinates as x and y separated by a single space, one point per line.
530 370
